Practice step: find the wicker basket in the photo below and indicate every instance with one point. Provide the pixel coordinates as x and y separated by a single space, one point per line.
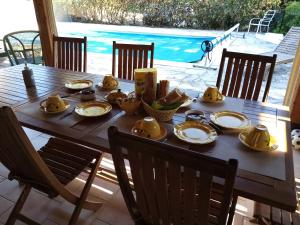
159 115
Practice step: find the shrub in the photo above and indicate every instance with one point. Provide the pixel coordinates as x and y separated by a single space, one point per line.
203 14
291 17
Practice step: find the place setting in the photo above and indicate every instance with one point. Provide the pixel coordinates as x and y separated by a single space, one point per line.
108 83
258 138
211 95
87 106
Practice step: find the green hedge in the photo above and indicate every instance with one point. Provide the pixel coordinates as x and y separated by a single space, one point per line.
291 17
201 14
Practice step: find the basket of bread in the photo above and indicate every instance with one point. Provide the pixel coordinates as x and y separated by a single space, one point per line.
164 108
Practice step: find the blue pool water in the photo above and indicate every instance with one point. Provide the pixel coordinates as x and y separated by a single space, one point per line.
166 47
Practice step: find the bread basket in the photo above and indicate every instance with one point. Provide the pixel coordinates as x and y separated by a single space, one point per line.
159 115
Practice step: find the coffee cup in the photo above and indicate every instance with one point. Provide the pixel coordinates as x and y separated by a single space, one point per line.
110 82
148 127
55 104
212 94
258 137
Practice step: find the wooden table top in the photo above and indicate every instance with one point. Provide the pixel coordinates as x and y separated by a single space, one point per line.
267 177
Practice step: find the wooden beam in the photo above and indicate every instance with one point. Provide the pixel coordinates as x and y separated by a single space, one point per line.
47 27
293 90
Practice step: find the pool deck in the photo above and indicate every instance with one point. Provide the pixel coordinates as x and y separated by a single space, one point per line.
185 75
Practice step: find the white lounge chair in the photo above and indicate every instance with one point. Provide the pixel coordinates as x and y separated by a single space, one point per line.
262 22
286 49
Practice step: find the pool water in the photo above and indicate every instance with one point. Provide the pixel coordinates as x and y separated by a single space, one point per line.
166 47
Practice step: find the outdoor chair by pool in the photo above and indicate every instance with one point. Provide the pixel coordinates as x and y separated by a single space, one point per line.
286 49
128 57
70 53
171 185
243 77
23 46
48 170
262 22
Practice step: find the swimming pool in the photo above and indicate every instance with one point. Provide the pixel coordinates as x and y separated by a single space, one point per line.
166 47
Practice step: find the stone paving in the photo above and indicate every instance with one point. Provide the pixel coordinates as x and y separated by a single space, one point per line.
185 75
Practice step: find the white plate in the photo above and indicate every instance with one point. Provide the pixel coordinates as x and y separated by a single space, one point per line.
195 132
79 84
187 103
230 120
93 109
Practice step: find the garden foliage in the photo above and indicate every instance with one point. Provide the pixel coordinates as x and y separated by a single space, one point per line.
200 14
290 17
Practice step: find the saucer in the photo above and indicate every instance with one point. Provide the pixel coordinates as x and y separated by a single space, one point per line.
211 101
100 86
195 132
79 84
230 120
163 133
273 146
43 107
93 109
187 103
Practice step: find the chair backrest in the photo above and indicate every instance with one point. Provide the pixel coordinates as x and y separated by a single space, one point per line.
130 57
70 53
172 185
20 157
23 46
290 42
244 75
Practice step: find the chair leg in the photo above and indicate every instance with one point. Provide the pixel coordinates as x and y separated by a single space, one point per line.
232 209
18 206
85 192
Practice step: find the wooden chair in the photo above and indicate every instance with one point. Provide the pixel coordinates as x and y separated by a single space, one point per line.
70 53
244 75
48 170
130 57
171 185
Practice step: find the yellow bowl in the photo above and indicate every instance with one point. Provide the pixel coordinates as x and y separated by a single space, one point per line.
130 106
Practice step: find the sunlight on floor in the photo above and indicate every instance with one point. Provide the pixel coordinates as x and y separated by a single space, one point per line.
96 186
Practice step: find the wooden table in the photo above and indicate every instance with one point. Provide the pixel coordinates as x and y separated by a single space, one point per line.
266 177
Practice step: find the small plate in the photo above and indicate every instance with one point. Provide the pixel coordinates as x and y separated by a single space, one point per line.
79 84
93 109
230 120
163 133
100 86
43 107
187 103
273 146
194 132
209 101
111 102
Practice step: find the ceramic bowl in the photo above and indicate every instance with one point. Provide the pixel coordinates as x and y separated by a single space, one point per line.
129 105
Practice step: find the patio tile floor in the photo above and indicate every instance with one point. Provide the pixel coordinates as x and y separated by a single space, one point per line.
57 211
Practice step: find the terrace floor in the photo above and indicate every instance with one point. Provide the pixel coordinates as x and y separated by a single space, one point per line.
57 211
114 212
